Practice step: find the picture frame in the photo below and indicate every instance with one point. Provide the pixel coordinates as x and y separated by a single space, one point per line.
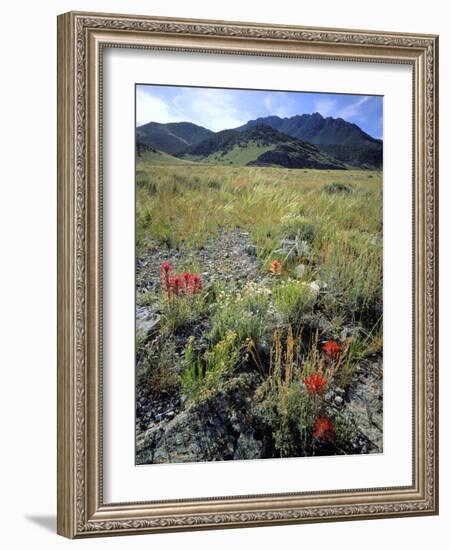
82 40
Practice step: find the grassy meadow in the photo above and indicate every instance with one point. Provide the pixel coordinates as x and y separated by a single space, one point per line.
267 286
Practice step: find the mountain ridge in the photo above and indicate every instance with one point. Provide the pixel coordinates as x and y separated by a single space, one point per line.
339 138
337 143
171 137
260 145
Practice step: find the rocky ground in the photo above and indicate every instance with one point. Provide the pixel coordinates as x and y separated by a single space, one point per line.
230 425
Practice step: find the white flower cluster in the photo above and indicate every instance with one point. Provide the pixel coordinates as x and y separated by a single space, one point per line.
314 286
256 289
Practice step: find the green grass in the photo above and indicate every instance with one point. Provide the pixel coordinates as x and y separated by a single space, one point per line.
148 159
245 314
293 299
174 203
237 156
204 374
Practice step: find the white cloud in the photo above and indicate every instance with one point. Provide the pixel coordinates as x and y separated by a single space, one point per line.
325 106
276 104
354 109
151 108
212 108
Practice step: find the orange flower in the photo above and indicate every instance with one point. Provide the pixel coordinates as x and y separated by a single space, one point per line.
331 349
275 267
315 384
324 429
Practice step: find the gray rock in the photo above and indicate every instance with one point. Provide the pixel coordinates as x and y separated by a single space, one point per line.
251 250
247 447
300 270
146 320
364 404
217 429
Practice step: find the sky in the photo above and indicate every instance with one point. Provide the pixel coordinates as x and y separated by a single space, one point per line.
219 108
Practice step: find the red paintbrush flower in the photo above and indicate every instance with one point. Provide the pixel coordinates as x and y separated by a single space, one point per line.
275 267
164 275
315 384
165 267
324 429
176 285
331 349
196 283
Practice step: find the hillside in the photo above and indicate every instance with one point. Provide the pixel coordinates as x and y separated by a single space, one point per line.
172 137
340 139
260 145
148 156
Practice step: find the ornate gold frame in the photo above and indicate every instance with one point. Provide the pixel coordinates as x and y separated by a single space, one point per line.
81 37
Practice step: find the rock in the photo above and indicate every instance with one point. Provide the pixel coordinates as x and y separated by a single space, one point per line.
349 332
300 270
364 404
251 250
219 428
247 447
146 320
338 400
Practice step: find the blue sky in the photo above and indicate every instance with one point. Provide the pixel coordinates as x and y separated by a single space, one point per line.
220 108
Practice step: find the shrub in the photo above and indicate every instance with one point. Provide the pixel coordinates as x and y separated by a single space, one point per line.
204 375
293 399
156 369
298 227
293 299
182 312
245 313
337 187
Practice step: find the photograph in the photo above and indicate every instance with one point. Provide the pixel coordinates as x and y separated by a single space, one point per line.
259 274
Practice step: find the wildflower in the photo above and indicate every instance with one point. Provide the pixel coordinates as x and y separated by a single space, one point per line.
176 285
331 349
275 267
196 282
324 429
186 277
315 384
185 282
164 275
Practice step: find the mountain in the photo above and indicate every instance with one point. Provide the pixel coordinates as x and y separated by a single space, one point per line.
338 138
259 145
172 137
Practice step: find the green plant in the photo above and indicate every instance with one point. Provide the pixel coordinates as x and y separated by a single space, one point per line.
245 313
358 346
292 398
156 368
293 299
338 187
286 405
297 227
204 374
351 264
183 311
